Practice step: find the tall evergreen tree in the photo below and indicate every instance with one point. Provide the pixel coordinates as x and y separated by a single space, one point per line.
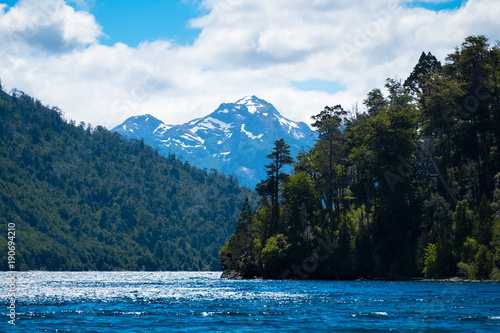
329 157
280 157
427 64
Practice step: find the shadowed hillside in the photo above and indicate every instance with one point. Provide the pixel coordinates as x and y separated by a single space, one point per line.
84 198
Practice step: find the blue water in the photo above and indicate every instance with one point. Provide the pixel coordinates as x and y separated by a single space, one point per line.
202 302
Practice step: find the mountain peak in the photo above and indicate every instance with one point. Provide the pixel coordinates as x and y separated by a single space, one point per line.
143 117
138 127
235 138
250 100
256 105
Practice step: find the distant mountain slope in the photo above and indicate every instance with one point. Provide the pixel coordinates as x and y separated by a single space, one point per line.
235 138
89 199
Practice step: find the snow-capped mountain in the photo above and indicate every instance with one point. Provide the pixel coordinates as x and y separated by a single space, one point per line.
235 138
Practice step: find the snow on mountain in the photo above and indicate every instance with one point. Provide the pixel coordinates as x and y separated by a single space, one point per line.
235 138
141 127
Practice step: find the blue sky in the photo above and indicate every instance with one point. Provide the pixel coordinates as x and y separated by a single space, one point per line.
127 22
437 5
102 61
330 87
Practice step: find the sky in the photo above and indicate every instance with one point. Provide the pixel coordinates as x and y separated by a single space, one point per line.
102 61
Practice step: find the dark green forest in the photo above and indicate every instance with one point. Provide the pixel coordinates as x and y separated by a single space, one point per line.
407 187
83 198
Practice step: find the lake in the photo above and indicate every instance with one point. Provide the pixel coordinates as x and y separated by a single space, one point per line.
202 302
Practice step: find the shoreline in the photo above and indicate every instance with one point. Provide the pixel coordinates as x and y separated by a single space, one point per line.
236 275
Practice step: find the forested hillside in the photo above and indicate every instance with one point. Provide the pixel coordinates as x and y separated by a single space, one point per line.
409 187
83 198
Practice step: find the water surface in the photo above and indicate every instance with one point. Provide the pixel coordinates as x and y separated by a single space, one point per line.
202 302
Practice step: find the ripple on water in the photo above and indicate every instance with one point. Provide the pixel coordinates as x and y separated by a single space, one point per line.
191 301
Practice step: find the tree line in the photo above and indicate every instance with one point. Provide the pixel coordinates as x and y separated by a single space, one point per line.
407 187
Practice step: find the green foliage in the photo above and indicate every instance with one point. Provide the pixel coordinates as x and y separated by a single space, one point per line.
438 260
463 225
483 264
483 227
495 243
464 270
405 189
84 198
274 255
427 64
236 254
495 274
470 248
280 157
430 261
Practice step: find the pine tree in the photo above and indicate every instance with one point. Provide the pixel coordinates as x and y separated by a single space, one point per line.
280 157
329 157
427 64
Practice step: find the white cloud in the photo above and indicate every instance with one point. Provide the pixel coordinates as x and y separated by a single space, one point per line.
46 26
246 47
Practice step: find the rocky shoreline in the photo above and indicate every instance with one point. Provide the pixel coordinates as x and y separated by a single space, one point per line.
232 274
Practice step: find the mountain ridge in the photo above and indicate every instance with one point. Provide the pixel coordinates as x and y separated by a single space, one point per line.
235 138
